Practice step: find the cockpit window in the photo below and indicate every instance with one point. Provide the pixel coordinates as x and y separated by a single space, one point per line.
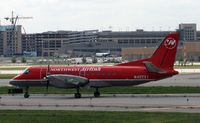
26 71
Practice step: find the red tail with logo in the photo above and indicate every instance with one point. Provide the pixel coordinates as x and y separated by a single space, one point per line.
164 56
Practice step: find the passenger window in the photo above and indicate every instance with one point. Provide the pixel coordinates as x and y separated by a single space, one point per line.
93 73
114 73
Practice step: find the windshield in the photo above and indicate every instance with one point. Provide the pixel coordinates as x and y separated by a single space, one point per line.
27 71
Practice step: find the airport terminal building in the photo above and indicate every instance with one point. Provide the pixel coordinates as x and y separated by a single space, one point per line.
87 43
114 42
128 44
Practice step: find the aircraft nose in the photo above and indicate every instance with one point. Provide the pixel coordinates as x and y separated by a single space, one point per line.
13 82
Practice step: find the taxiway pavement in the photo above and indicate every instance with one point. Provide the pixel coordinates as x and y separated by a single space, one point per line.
108 102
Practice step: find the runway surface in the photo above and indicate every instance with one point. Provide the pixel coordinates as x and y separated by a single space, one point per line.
179 80
4 82
119 102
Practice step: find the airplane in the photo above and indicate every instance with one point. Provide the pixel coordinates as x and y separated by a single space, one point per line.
104 54
158 66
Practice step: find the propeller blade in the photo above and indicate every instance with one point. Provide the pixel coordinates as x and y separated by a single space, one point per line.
48 70
47 86
48 73
48 67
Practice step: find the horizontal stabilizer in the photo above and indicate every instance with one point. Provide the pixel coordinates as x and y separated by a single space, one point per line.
152 68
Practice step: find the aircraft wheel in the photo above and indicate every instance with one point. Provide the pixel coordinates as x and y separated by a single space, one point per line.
96 94
77 95
26 95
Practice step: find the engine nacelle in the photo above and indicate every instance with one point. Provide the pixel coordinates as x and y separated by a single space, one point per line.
66 81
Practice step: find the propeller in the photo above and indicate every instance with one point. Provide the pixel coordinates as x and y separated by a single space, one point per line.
48 73
47 86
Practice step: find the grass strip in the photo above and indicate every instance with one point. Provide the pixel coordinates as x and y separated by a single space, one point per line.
45 116
7 76
14 68
187 67
112 90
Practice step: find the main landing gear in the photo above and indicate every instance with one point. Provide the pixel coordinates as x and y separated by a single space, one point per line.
77 94
26 94
97 93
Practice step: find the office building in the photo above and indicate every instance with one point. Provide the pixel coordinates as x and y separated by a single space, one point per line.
10 40
188 32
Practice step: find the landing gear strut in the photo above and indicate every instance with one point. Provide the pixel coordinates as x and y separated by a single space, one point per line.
77 94
26 94
97 93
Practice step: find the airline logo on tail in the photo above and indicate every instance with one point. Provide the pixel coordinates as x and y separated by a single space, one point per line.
170 43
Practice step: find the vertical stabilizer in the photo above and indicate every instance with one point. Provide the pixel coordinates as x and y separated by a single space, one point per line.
164 56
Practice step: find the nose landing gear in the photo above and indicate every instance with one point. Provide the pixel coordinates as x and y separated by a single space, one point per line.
26 94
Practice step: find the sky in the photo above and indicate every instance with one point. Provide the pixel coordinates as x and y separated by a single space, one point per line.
118 15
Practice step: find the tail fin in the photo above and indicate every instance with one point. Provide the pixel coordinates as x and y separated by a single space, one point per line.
164 56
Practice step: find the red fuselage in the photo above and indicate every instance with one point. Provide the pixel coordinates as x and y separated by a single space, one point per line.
111 75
